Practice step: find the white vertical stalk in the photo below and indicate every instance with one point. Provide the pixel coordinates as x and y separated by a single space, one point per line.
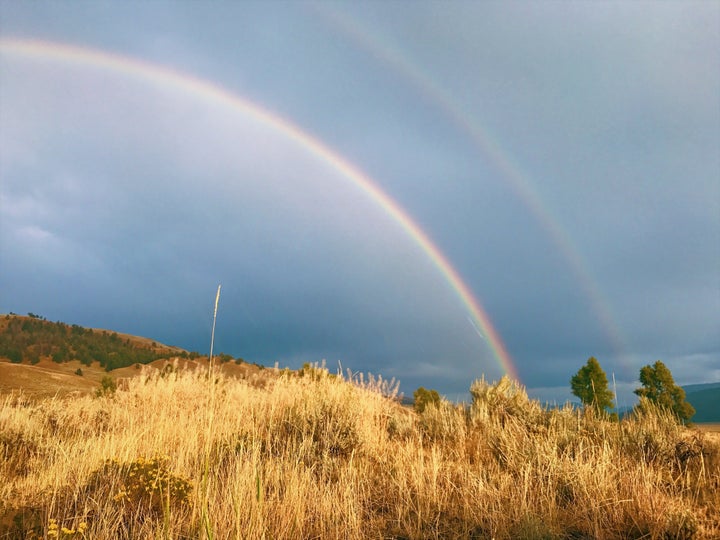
206 479
617 405
212 336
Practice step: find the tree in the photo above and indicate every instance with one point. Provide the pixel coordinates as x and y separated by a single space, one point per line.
14 355
590 384
659 387
424 397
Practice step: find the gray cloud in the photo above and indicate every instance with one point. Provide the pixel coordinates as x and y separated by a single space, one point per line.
124 204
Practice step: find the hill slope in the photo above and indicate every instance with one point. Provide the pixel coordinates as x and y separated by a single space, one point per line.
692 388
32 339
44 358
706 403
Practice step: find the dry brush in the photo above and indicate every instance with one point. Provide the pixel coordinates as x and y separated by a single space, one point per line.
201 455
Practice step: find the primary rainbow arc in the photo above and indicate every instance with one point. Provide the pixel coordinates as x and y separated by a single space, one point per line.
206 90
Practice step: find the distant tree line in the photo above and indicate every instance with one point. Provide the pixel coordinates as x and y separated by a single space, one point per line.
658 387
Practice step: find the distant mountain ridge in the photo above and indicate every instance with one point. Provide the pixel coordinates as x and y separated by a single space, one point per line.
693 388
706 400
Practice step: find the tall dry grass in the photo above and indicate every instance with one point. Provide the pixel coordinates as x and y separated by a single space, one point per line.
188 455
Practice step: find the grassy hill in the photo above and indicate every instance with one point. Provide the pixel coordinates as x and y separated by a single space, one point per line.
47 378
31 339
44 358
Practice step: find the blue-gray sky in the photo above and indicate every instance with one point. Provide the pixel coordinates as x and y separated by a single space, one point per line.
564 157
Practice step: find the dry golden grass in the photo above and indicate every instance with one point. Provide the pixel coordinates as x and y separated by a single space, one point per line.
708 427
189 455
48 379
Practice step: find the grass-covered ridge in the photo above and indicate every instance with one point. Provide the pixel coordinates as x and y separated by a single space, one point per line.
188 454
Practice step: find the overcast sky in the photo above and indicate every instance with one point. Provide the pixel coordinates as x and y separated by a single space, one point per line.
563 157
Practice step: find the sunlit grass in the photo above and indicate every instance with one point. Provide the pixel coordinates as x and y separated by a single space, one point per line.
197 455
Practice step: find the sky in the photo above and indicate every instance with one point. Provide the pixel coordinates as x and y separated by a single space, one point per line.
429 191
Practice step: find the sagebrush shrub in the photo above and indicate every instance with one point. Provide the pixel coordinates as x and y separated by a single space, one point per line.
442 422
18 450
143 483
501 401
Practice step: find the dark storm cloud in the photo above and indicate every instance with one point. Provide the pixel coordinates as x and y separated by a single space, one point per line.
124 206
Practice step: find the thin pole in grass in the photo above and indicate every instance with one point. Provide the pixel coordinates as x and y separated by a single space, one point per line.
207 525
617 405
212 335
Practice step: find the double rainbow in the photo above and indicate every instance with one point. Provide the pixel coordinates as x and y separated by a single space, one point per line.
208 91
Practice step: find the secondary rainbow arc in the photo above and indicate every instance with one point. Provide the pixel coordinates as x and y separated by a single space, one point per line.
488 145
204 89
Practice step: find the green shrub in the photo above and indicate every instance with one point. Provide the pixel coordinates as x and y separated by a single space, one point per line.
108 386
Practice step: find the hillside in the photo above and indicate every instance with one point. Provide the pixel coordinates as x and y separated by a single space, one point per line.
32 338
705 398
44 358
706 403
48 378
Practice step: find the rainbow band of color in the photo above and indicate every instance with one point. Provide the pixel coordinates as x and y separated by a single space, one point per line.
209 91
